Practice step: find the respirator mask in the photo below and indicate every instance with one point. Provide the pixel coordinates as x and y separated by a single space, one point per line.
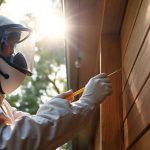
15 56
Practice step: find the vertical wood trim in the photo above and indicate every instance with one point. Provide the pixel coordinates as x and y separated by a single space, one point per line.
72 41
97 138
112 108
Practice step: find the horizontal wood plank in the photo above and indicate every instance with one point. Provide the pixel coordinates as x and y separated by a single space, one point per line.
138 76
139 117
143 143
128 23
137 37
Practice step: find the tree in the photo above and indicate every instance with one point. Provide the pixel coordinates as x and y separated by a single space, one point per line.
2 1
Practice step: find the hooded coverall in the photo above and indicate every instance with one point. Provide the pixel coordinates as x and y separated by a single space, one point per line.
56 121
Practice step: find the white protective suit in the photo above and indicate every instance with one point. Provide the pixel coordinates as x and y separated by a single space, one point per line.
56 122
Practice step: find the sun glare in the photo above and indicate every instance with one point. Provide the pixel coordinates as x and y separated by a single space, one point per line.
52 26
50 23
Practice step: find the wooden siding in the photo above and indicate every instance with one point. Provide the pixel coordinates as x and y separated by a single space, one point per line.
136 39
135 44
140 145
82 44
94 40
82 41
129 21
111 109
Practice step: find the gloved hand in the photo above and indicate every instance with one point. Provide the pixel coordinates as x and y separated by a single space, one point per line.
65 94
97 89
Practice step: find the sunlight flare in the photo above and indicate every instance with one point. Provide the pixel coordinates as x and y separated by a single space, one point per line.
50 23
52 26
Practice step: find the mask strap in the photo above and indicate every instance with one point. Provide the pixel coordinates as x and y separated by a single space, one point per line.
1 91
6 76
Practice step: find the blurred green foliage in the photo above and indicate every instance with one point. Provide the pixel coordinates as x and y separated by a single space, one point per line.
50 60
2 1
66 146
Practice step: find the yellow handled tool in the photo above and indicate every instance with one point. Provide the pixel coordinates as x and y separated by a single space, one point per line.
70 97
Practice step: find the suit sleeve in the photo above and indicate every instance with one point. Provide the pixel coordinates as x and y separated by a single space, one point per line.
55 123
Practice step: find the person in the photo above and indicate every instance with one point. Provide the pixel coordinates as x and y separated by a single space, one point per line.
56 121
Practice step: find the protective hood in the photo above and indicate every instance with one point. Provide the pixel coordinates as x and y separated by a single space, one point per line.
12 48
16 56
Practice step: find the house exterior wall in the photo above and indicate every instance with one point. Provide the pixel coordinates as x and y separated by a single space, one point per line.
135 46
94 40
110 50
82 46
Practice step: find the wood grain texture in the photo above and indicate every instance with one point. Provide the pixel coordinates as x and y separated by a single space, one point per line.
82 41
112 118
97 138
139 74
139 117
128 23
143 143
82 45
137 38
112 107
113 16
91 33
135 43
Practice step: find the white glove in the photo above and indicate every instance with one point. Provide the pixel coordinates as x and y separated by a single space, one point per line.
97 89
64 95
